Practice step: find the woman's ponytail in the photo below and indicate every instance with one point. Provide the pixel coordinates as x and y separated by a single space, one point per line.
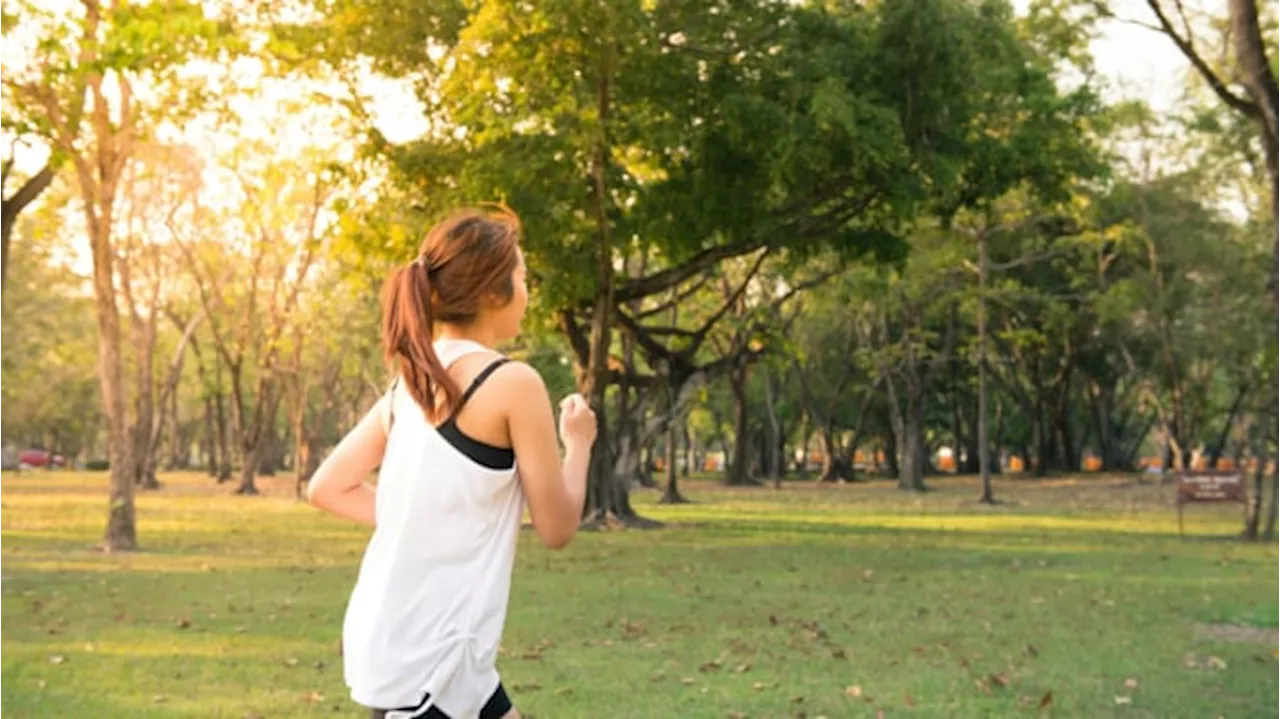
408 337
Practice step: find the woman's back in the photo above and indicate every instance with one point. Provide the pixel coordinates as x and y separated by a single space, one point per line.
428 608
422 629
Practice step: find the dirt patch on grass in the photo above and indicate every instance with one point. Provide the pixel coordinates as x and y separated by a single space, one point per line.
1238 633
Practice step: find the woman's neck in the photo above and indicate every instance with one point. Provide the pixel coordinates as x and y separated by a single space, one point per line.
477 334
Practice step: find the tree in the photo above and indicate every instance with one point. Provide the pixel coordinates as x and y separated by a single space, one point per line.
832 342
1249 86
688 137
64 96
278 237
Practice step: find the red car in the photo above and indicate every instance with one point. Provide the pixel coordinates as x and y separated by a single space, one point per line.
40 458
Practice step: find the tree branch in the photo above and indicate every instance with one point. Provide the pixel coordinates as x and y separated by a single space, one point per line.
666 279
1236 102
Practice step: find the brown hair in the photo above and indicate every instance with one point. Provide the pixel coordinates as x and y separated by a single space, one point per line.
465 258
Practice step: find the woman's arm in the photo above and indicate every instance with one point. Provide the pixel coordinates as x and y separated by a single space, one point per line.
555 490
339 486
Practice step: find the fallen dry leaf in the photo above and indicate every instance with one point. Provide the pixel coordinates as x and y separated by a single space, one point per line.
564 691
184 623
909 700
853 691
1216 663
758 686
1124 700
982 685
313 697
879 714
742 669
797 699
687 681
1000 680
1130 683
159 699
1047 700
1031 649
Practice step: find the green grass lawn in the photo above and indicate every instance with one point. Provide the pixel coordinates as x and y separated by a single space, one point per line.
840 601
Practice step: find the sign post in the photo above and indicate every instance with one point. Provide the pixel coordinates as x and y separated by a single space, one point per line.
1209 487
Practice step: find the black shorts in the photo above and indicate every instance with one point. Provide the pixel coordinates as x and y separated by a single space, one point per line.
496 708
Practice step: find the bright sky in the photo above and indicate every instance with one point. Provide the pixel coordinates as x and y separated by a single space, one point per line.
1136 62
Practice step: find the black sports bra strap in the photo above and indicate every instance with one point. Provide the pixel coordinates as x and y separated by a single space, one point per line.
475 383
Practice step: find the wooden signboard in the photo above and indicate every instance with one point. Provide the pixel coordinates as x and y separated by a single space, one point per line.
1206 486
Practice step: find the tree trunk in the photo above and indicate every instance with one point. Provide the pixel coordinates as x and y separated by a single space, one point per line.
144 342
249 470
914 452
210 442
256 432
802 468
690 454
671 495
773 462
984 443
1269 526
739 473
830 470
1253 516
301 444
268 455
178 452
1269 533
1063 436
1215 452
606 493
891 454
220 424
121 532
997 465
145 412
1044 443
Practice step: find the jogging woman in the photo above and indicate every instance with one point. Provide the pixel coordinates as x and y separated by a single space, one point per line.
465 439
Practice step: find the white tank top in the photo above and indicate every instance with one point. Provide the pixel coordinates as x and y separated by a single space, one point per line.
427 612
